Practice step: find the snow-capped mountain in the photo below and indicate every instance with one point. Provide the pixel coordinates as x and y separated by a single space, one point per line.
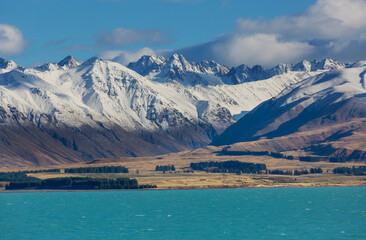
100 108
307 66
7 65
326 108
244 73
68 62
148 65
177 68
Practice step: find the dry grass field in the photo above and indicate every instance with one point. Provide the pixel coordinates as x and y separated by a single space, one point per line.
143 169
203 180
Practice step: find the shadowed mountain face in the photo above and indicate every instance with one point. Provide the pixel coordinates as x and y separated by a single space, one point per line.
70 111
332 102
29 145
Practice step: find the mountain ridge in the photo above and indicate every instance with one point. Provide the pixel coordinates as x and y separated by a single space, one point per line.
177 67
334 100
98 108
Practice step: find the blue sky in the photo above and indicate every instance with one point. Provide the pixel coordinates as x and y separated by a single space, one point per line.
228 31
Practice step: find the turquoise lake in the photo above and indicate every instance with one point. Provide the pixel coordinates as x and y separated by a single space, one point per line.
282 213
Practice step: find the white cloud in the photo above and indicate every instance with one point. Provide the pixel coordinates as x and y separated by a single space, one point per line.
327 29
327 19
121 37
265 49
11 40
125 57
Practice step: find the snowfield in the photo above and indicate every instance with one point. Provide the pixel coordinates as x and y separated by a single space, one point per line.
100 108
105 91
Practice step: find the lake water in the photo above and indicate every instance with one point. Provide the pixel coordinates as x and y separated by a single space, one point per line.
284 213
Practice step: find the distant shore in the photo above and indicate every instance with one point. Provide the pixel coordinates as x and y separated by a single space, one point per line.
326 185
143 169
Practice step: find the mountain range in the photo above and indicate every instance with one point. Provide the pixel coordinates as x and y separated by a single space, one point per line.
323 115
74 111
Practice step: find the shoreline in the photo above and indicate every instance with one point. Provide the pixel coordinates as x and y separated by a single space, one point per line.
2 191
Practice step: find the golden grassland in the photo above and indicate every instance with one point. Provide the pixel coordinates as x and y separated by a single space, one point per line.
142 168
203 180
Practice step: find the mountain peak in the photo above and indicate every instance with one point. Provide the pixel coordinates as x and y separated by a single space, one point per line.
148 64
315 65
68 61
280 69
304 65
179 64
91 61
152 59
176 67
328 64
7 64
243 73
177 58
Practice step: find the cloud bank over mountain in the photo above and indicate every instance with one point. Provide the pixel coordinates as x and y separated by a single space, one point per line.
125 57
332 29
11 40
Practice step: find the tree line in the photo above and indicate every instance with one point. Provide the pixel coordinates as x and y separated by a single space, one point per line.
296 172
279 172
243 167
11 176
225 151
76 183
14 176
165 168
229 167
316 170
105 169
361 170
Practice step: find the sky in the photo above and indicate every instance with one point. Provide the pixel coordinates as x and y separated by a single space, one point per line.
231 32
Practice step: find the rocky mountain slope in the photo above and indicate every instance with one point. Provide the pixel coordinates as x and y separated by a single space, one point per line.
178 69
71 111
319 112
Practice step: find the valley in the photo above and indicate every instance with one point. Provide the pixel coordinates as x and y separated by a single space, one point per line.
143 170
73 111
293 118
